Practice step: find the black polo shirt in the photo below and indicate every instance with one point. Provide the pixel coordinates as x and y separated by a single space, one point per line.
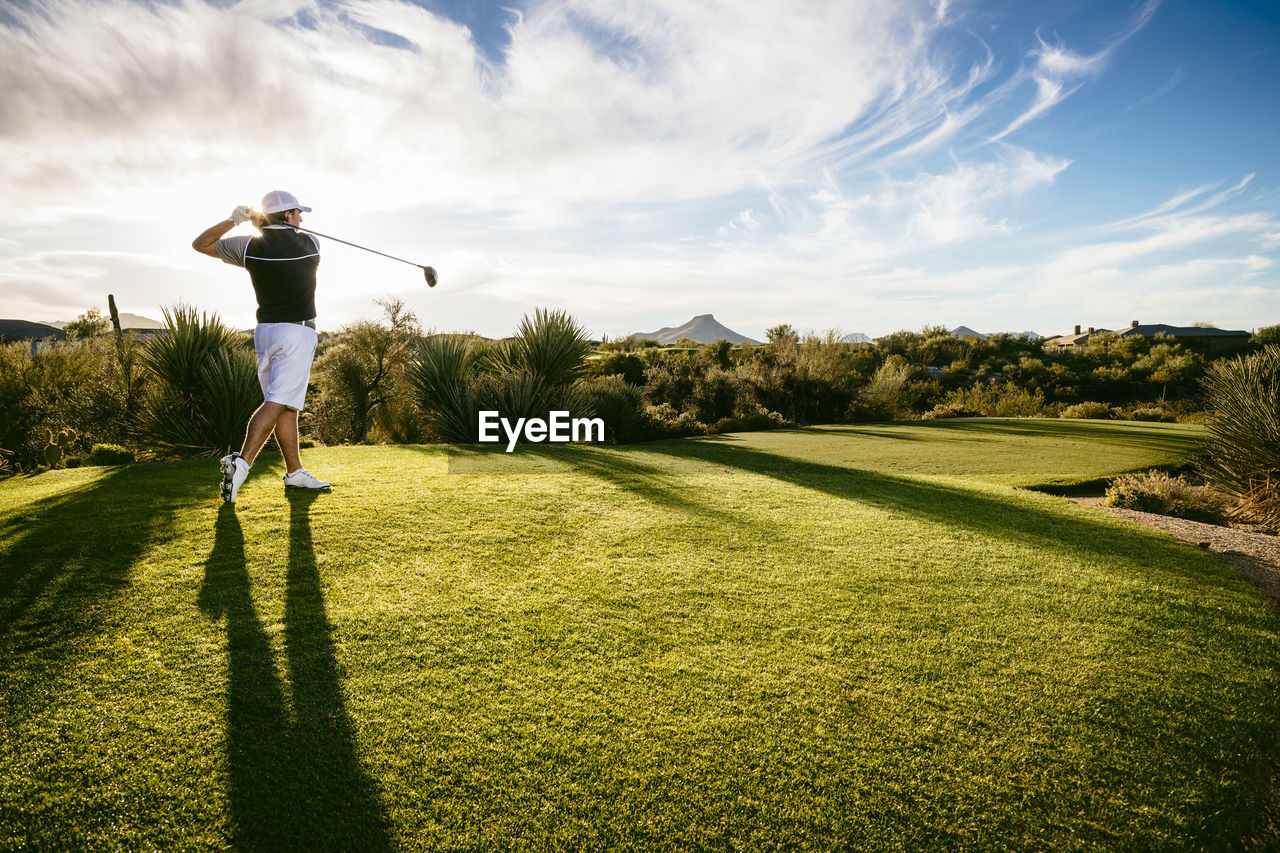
282 266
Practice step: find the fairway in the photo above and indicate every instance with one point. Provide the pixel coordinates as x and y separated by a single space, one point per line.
845 637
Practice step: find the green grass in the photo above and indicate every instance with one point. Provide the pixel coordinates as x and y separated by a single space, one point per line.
835 638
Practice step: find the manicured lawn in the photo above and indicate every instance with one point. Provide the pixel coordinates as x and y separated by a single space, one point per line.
838 638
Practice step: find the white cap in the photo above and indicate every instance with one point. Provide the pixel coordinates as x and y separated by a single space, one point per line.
278 201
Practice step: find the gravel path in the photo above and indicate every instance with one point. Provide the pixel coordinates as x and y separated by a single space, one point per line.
1257 557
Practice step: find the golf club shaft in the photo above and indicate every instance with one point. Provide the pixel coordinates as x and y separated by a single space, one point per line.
358 246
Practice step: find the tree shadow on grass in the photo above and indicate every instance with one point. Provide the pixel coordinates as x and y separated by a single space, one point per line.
1122 433
295 776
1007 518
65 560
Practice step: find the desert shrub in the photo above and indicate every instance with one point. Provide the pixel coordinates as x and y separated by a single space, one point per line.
1151 414
1158 492
1087 410
663 421
950 410
749 419
453 378
442 378
205 385
551 347
1242 452
670 380
1266 336
715 395
70 386
109 454
886 396
1000 400
620 405
628 365
361 373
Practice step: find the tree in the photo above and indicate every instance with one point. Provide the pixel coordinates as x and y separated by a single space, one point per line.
1266 335
364 369
782 333
89 324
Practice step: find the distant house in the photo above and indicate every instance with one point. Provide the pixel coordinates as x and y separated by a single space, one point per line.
1075 339
1199 338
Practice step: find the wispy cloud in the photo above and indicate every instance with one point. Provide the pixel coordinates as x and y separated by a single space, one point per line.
1058 72
1165 88
621 158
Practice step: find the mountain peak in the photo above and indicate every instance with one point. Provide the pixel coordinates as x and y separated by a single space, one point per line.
703 328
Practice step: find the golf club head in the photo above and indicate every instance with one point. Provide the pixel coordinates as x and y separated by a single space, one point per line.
429 273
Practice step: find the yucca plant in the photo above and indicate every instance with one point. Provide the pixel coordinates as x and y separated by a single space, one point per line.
442 377
551 347
205 387
1242 452
453 378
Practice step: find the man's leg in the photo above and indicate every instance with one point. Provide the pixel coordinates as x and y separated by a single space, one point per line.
235 468
287 437
260 427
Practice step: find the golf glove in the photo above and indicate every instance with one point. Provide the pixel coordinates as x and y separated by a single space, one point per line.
241 214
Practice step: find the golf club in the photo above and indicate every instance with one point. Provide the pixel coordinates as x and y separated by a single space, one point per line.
428 272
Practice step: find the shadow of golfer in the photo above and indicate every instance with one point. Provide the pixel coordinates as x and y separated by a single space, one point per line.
295 779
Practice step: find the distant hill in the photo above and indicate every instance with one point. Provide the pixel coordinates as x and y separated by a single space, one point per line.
127 321
25 330
965 331
856 338
704 329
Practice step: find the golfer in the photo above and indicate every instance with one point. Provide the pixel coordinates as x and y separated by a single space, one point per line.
282 266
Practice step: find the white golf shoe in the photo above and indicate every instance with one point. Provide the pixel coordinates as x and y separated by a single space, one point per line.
234 472
301 479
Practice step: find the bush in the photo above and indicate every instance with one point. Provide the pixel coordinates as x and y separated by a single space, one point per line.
950 410
109 454
749 420
205 388
1151 414
1087 411
73 386
1002 400
361 377
663 421
442 377
887 396
626 364
453 379
1158 492
620 405
1243 448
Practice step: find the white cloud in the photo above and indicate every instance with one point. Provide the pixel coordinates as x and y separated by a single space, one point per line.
628 160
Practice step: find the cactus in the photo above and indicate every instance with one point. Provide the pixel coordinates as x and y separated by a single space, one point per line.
59 446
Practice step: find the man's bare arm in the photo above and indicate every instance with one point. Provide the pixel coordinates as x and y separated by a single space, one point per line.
204 243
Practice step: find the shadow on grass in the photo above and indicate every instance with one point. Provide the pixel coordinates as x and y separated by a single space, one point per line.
66 559
880 430
1123 433
955 507
296 780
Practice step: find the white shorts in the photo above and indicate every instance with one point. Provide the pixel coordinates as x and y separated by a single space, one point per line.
285 351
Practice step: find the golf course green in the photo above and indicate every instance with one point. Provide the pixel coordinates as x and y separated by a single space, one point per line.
846 637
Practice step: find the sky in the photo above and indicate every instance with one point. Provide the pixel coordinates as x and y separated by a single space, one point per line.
860 165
